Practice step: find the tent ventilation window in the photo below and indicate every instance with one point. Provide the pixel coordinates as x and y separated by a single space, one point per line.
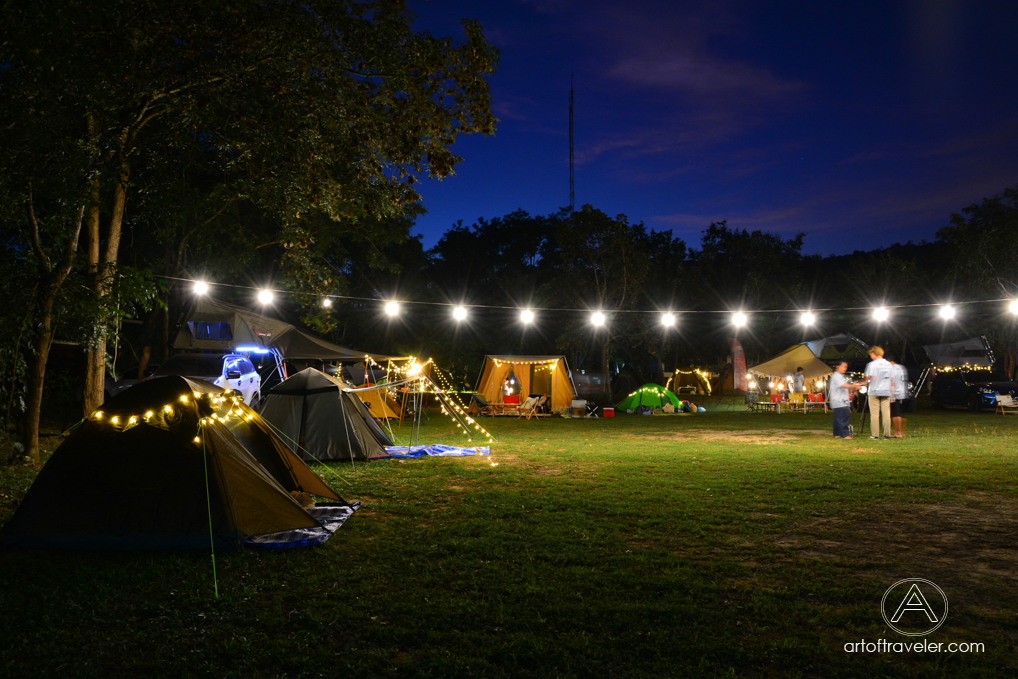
210 330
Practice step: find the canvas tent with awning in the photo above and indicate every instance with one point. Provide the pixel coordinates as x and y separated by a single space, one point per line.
528 375
212 325
795 356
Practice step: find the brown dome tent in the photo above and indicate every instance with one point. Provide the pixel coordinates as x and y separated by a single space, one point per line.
156 468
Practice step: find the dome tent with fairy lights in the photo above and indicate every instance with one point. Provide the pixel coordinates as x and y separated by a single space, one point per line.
651 395
158 468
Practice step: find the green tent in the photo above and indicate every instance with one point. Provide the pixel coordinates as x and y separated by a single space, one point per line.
653 395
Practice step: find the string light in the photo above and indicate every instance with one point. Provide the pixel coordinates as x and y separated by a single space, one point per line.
597 319
668 320
200 288
327 302
459 313
265 296
808 318
947 312
527 316
739 319
1013 307
880 314
391 309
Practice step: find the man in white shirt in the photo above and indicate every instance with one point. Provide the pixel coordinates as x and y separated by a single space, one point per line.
798 381
879 378
901 394
840 396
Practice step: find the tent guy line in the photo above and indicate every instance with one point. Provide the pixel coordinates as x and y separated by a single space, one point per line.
265 296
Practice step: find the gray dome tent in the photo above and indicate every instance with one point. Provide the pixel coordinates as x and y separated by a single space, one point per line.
320 421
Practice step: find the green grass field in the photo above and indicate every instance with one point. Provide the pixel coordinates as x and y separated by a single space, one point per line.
715 545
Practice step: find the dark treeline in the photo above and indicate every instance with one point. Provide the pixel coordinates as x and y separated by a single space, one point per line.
588 260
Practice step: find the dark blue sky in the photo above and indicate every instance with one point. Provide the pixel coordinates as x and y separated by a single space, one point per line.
861 124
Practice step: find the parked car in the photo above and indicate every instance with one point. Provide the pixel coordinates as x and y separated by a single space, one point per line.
975 389
229 371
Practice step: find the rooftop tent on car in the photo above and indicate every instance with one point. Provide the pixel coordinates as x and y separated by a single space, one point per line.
318 420
212 325
155 470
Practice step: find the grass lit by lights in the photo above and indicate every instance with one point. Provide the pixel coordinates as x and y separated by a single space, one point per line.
712 545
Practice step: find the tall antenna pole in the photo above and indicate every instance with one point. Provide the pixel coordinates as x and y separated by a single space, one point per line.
572 185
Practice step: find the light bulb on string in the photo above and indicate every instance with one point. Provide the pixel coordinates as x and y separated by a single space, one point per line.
327 302
265 296
200 288
947 312
808 318
739 319
527 316
1013 307
459 313
391 309
668 320
597 319
881 314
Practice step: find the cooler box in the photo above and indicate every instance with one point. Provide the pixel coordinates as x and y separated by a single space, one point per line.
608 412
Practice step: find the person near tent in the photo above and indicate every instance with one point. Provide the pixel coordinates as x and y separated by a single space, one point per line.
900 381
798 381
841 390
879 380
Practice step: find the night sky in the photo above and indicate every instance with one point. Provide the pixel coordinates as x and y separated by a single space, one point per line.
860 124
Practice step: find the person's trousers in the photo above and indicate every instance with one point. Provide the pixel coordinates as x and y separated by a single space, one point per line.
880 407
841 418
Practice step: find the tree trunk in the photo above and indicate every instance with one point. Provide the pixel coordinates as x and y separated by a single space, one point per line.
93 393
37 374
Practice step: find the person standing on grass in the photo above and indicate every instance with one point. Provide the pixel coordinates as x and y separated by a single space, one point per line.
841 391
900 383
878 378
798 381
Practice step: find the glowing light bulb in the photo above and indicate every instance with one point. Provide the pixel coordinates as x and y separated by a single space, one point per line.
527 316
200 288
326 302
808 318
168 409
98 414
115 419
880 314
197 439
391 309
1013 307
947 312
668 320
149 414
459 313
738 319
265 296
183 399
597 319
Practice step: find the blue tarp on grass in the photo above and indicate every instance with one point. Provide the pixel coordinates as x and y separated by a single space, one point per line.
436 450
330 515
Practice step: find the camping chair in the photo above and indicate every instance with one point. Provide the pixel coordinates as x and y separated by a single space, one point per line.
1006 404
796 401
529 407
483 407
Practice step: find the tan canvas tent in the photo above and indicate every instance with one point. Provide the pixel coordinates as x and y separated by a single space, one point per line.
525 375
796 356
380 404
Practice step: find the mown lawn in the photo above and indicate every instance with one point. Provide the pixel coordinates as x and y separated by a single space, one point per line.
716 545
